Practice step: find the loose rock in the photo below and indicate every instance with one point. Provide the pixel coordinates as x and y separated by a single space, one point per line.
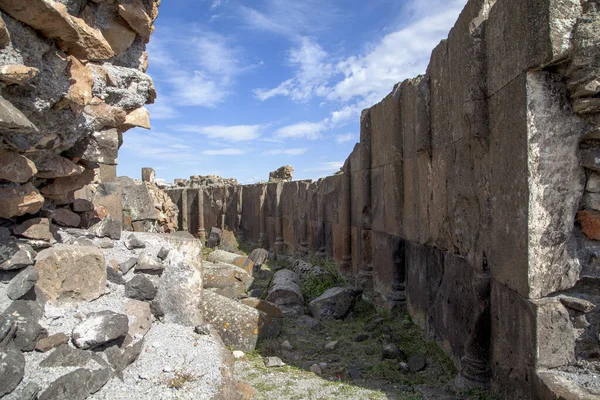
335 303
141 288
100 328
22 283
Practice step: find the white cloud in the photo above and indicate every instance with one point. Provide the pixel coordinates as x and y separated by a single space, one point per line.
312 72
195 68
224 152
161 110
306 130
215 4
345 137
196 89
287 152
156 145
291 18
232 133
326 169
399 55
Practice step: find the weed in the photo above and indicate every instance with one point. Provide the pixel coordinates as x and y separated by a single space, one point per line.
180 378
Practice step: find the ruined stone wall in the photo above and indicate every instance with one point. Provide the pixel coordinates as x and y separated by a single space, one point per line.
72 82
472 196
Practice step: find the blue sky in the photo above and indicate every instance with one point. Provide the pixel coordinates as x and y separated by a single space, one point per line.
245 87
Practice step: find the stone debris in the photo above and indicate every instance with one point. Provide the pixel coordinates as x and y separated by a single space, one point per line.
335 303
271 362
284 291
282 174
21 284
100 328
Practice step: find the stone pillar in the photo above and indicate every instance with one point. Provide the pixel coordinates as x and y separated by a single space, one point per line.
221 221
262 238
365 267
184 210
346 219
201 231
148 175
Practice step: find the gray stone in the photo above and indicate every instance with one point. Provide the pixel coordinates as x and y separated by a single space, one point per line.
214 238
108 227
12 368
30 391
138 204
25 315
14 122
147 264
237 324
66 356
361 337
82 205
125 266
163 253
114 276
577 304
226 276
259 256
22 283
180 291
133 242
100 328
271 362
76 385
16 256
391 351
417 363
105 243
119 358
284 291
141 288
335 303
48 343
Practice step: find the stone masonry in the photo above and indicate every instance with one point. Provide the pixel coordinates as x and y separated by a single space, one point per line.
472 196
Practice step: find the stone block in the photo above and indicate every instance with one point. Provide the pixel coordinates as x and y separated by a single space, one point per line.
524 35
513 340
388 263
386 134
414 104
424 273
76 273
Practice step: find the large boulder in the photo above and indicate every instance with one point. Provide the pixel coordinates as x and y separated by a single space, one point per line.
53 21
231 258
71 273
180 291
237 324
137 203
284 291
271 317
227 280
335 303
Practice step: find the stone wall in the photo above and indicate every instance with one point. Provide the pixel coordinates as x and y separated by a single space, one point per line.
472 196
72 82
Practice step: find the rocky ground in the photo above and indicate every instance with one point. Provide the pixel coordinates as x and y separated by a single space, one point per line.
370 353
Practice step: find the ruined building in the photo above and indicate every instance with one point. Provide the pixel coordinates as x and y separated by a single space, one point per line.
472 196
